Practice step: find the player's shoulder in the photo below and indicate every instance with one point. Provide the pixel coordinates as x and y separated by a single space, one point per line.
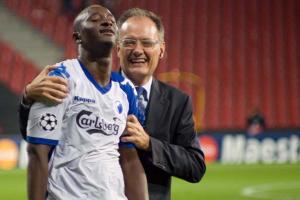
64 68
117 77
125 84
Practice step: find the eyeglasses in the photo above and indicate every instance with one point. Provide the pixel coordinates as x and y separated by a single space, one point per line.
132 43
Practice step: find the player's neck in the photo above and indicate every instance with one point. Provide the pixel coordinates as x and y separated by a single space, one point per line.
99 68
96 51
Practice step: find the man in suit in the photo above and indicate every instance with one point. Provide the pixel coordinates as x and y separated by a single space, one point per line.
164 134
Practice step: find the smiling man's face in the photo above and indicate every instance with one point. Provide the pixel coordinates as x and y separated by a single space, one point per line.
139 48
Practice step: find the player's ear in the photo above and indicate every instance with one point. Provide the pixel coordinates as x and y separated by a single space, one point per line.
77 37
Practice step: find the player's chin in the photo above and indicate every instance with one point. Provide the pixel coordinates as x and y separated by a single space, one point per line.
109 39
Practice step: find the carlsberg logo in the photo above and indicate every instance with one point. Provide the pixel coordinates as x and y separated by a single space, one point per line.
93 124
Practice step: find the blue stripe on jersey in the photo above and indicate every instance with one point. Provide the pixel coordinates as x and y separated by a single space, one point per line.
126 145
117 77
103 90
36 140
60 71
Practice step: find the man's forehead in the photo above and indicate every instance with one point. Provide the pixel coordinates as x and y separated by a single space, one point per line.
139 22
92 10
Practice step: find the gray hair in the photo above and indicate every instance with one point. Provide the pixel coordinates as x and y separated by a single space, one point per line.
138 12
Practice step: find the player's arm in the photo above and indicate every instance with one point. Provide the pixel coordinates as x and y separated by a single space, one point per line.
43 133
37 174
134 175
136 187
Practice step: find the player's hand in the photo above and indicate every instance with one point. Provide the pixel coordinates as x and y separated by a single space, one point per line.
47 89
135 133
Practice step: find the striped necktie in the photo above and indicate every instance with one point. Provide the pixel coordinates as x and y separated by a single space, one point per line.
142 104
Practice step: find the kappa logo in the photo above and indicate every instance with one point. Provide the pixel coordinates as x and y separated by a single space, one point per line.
94 124
83 99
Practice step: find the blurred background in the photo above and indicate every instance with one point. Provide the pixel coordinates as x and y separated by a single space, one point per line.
238 59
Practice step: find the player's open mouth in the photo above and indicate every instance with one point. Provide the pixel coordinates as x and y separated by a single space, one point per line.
107 31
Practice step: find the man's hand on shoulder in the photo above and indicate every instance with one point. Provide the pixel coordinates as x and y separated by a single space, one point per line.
47 89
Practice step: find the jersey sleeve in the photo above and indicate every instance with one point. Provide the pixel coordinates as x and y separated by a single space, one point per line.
128 87
132 98
133 109
45 121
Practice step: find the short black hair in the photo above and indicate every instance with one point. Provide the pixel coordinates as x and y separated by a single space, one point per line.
79 18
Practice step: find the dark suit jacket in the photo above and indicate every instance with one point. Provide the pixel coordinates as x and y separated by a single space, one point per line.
174 145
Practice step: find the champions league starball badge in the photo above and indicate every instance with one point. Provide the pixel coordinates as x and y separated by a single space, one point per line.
48 122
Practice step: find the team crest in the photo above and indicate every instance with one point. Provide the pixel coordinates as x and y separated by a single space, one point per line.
118 107
48 122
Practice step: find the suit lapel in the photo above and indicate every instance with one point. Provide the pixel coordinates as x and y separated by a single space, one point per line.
158 105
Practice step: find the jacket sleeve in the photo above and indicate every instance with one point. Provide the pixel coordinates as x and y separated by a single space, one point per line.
23 117
183 157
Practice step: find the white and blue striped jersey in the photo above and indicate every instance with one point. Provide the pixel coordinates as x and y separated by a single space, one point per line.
84 131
